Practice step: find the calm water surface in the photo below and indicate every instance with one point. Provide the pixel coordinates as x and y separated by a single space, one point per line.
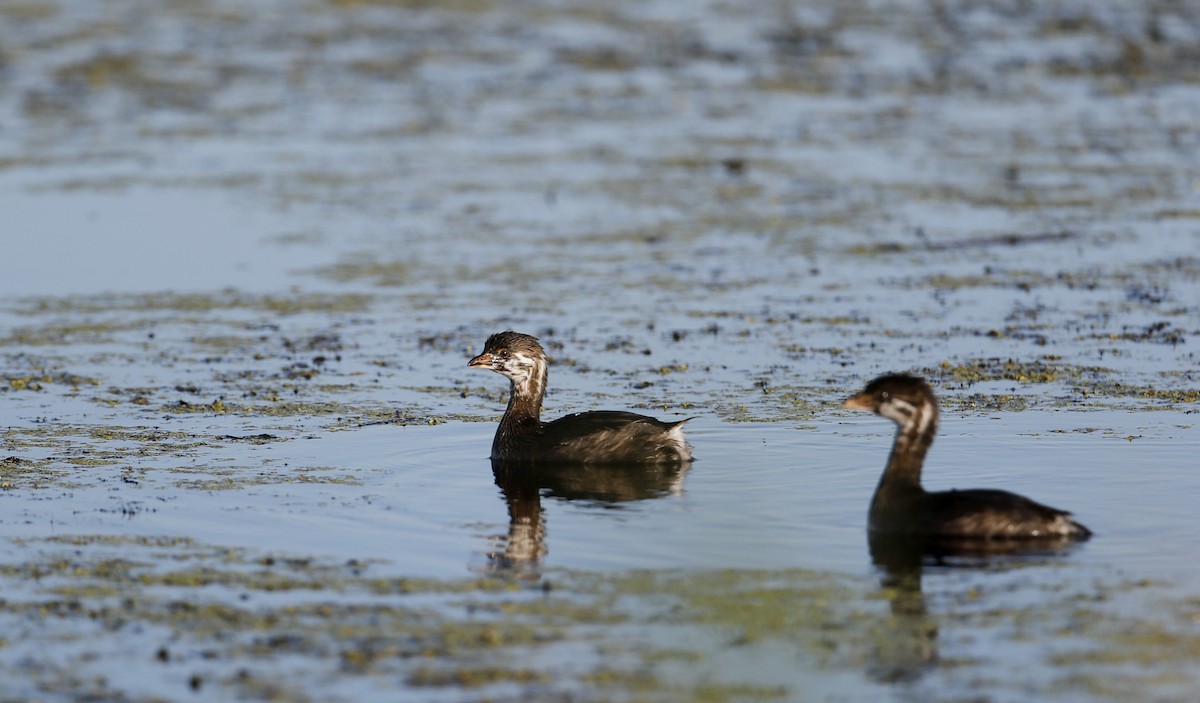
760 495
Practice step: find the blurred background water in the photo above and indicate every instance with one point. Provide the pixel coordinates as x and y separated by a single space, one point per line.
248 249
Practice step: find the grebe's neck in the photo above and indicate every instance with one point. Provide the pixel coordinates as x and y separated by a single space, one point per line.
917 426
527 391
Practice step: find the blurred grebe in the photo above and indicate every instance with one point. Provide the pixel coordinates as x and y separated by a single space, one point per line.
902 506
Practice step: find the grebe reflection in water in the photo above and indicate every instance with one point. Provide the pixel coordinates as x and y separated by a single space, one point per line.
523 487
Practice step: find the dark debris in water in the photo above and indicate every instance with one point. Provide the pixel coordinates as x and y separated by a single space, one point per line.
1012 239
260 438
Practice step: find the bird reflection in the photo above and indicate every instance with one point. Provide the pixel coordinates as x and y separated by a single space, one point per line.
523 486
907 646
897 552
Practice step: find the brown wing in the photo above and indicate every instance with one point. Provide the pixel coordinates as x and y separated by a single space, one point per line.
613 436
996 514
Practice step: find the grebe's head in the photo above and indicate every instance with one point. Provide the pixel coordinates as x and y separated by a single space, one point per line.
517 356
904 399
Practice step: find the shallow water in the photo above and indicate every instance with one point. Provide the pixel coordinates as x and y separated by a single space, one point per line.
248 251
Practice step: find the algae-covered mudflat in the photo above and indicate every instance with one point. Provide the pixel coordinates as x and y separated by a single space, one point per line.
247 248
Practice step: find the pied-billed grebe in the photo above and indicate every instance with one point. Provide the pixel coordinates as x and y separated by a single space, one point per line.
596 437
902 507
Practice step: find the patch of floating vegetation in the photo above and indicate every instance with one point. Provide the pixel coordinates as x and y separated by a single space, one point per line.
38 381
228 299
29 10
1089 385
773 403
380 273
752 606
182 406
1045 369
1160 332
225 478
1162 397
76 446
988 403
138 74
446 5
1141 282
991 278
20 472
116 184
659 631
346 414
63 333
998 240
473 676
227 342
